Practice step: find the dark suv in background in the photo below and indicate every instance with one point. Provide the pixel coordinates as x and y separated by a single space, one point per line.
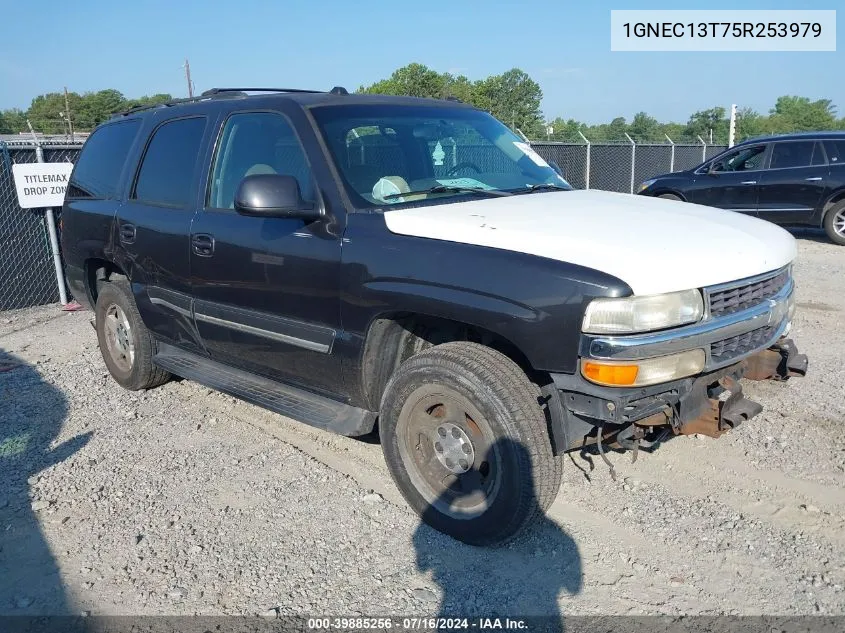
795 179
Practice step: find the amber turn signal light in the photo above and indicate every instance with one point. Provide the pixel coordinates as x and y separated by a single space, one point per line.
620 375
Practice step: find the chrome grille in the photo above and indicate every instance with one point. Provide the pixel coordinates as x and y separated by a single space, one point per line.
729 300
729 348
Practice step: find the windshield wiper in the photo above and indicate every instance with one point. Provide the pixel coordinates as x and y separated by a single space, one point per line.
540 186
493 193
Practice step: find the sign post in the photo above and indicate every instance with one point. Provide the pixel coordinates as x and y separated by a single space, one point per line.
43 185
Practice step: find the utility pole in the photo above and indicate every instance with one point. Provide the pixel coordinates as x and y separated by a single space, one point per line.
69 119
188 77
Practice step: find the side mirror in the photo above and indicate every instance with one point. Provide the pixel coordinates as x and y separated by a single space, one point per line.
273 196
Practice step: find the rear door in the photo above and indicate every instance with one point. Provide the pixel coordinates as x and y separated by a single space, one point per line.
731 180
153 226
794 183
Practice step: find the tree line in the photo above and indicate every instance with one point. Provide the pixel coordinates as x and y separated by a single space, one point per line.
513 97
51 114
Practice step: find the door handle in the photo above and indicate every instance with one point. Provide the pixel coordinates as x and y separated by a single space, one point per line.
748 182
202 244
813 179
128 233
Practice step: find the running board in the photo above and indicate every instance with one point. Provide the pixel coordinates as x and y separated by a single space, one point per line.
289 401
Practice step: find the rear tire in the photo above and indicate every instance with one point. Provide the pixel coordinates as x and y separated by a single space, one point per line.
125 343
670 196
834 223
466 441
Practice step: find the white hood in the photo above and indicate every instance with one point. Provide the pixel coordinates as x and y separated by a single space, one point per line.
653 245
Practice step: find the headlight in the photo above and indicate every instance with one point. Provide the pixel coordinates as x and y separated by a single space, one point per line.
646 184
643 314
650 371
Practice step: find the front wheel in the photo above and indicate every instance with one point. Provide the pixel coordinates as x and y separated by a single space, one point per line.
466 441
670 196
834 223
125 343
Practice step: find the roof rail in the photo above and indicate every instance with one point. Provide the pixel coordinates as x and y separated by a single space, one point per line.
224 93
216 91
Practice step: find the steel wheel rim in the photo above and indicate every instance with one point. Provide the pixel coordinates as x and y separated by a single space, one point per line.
434 415
839 223
119 340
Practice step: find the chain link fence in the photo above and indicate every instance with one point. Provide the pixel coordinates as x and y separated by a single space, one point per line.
622 166
27 275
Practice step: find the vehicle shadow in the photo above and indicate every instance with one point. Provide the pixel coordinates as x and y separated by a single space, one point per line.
810 234
31 415
528 578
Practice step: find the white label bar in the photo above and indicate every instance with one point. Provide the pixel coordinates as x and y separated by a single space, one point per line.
723 30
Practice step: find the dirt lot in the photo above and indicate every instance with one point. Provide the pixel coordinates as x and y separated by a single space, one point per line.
181 500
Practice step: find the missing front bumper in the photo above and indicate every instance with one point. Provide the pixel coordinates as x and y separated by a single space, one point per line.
710 404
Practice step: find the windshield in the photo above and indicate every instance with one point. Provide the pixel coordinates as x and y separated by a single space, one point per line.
430 153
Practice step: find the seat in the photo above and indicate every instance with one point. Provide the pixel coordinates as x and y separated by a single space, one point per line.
258 169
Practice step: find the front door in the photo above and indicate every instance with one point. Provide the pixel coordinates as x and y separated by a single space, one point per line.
153 225
266 289
731 182
794 183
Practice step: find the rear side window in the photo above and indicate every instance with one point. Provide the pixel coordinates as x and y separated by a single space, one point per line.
98 168
166 176
835 152
794 154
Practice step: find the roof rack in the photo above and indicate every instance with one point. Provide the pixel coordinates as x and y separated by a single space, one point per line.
224 93
216 91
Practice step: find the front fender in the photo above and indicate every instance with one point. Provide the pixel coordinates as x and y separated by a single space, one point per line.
536 304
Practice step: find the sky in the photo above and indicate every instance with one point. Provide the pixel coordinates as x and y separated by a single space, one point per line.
140 47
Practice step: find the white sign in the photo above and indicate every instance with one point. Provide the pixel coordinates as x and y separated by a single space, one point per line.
41 184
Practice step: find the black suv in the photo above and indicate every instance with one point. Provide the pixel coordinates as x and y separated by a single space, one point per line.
795 179
352 259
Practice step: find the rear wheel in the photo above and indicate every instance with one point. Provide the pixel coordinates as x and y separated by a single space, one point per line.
670 196
125 343
466 441
834 223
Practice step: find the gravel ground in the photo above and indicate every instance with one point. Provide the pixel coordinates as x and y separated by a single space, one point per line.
181 500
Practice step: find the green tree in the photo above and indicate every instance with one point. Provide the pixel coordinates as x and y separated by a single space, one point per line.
413 80
514 98
705 122
148 100
99 106
459 87
799 114
567 130
750 123
644 127
617 129
47 112
674 131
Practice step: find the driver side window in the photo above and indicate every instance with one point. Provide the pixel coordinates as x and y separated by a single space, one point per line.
745 159
256 143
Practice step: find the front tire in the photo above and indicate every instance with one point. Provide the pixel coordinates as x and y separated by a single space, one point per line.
834 223
125 343
466 441
670 196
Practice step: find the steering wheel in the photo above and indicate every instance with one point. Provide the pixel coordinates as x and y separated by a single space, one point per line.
465 164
